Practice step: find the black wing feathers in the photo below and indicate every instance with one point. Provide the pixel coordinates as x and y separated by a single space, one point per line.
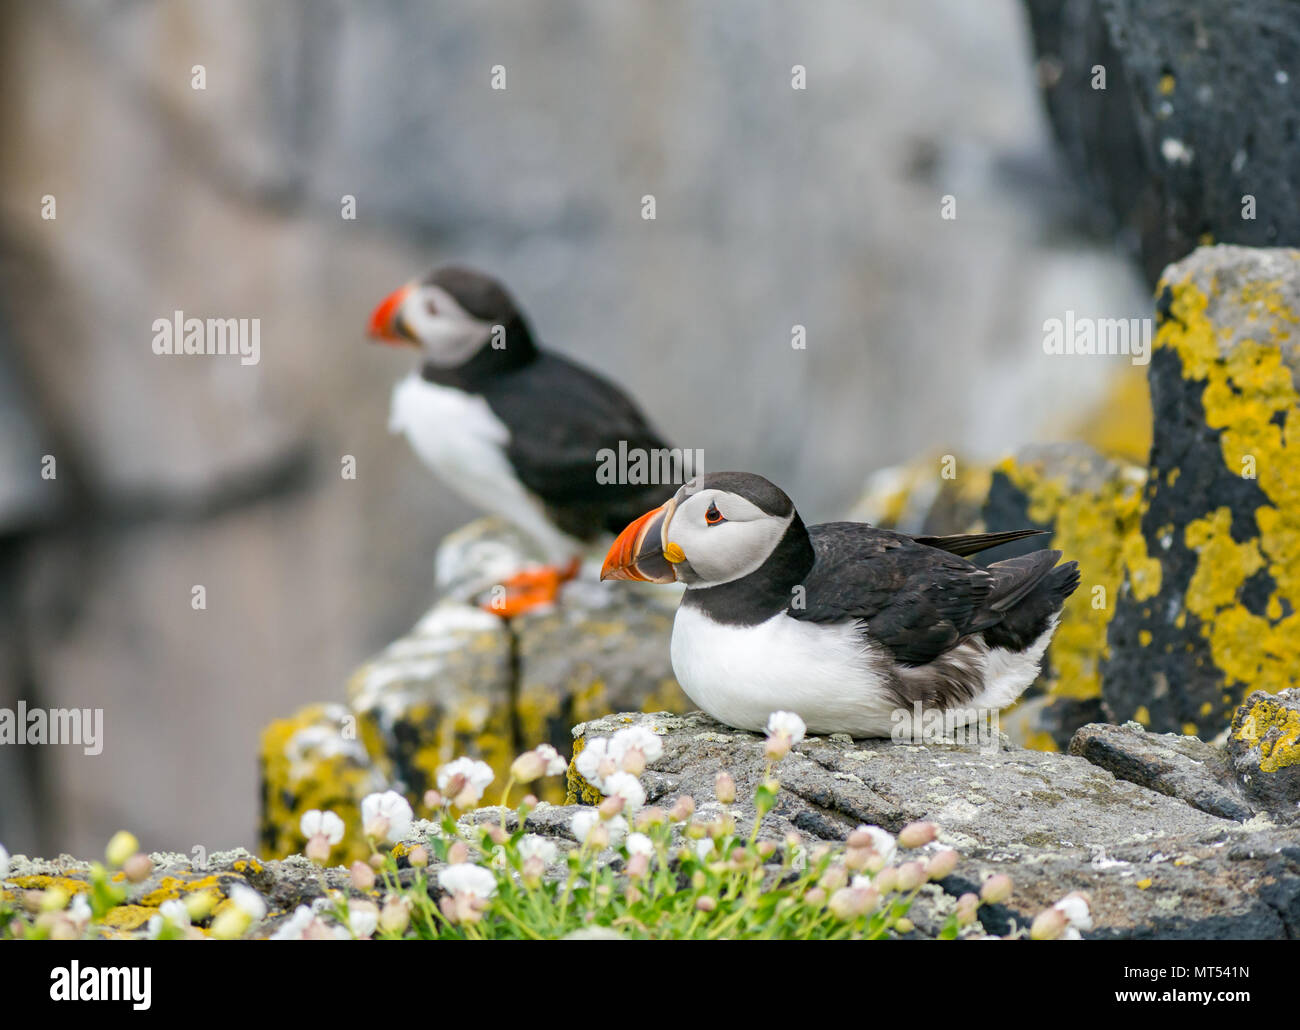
915 599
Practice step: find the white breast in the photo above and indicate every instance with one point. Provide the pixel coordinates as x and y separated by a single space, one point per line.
741 674
823 672
459 437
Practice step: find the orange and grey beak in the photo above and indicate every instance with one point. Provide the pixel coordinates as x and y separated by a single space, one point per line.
638 553
384 322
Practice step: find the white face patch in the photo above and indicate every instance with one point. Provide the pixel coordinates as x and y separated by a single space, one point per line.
448 334
729 548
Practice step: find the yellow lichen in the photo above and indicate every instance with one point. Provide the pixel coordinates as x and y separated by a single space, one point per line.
1275 729
1247 385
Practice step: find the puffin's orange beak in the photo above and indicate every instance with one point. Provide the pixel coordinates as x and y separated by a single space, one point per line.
383 320
638 553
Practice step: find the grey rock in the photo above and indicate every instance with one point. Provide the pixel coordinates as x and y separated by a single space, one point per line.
1151 864
1182 767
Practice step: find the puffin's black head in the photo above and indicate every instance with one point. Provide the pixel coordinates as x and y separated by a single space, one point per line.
451 314
717 528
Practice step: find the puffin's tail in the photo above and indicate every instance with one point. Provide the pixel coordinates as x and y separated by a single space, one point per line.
1038 589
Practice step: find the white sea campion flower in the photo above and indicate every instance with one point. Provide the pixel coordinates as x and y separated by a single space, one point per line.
4 862
172 913
363 919
633 748
248 901
582 822
80 914
626 786
467 878
386 816
291 929
464 781
703 849
588 827
784 730
468 889
1077 913
326 823
534 846
639 844
555 762
880 841
595 762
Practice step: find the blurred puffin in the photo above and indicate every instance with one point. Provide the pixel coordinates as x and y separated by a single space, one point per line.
510 427
841 623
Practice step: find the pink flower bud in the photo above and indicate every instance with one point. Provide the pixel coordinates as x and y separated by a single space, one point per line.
967 906
633 761
910 876
418 856
1048 925
917 835
834 878
458 853
942 864
495 833
529 802
611 806
766 849
432 799
856 858
860 839
138 868
531 874
683 808
996 889
706 903
598 838
363 877
638 865
815 897
395 915
528 767
886 881
724 788
777 746
318 848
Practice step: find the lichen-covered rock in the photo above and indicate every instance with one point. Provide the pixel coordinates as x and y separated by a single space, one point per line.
282 885
1264 746
1187 768
1211 603
444 690
1152 865
314 759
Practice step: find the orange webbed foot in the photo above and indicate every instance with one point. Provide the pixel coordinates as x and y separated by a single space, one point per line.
530 589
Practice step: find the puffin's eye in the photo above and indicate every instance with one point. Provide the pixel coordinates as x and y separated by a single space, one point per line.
713 516
430 307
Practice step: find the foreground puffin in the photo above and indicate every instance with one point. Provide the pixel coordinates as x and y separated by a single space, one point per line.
510 427
841 623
